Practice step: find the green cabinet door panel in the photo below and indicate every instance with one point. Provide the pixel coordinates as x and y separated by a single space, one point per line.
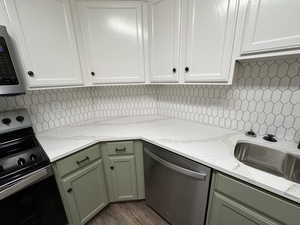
85 192
124 171
238 203
225 211
121 172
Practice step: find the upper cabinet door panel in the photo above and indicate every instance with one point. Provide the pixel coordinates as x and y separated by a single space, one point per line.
164 26
112 32
209 40
46 37
271 25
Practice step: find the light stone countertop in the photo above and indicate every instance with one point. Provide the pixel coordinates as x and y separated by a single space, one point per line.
211 146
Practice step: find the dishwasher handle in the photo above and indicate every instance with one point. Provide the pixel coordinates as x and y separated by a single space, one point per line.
190 173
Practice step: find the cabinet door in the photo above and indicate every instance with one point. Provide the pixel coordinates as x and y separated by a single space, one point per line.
122 177
164 31
112 36
225 211
86 192
46 37
271 26
209 36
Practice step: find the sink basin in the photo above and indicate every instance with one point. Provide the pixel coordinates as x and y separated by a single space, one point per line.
267 159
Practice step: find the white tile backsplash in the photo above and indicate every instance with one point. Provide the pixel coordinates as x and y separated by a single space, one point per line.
264 96
56 108
124 101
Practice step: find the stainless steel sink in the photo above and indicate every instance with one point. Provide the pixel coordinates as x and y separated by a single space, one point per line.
275 162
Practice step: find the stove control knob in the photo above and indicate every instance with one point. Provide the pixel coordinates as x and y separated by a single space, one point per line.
21 162
33 158
6 121
20 119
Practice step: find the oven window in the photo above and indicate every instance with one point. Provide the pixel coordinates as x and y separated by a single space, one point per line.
20 209
7 72
39 204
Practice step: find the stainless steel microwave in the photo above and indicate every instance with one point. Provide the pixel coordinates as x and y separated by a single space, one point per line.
10 81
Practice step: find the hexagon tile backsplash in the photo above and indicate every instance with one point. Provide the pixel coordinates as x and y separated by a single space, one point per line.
265 96
60 107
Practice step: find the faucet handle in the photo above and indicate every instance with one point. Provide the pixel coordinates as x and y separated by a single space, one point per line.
250 133
270 137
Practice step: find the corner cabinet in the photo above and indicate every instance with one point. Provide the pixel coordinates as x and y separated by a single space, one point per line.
235 202
270 26
92 178
164 36
86 192
82 184
46 40
121 171
112 40
208 34
124 170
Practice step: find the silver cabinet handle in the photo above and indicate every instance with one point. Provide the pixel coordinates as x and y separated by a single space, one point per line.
26 181
190 173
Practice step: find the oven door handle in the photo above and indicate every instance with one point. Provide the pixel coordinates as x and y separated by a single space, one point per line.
24 182
178 169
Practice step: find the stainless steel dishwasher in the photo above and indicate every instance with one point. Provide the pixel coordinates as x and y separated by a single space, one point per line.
176 188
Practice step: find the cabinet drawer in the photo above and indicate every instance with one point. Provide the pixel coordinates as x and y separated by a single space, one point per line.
261 201
78 160
119 148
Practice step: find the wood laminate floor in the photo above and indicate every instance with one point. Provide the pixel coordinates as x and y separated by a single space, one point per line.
129 213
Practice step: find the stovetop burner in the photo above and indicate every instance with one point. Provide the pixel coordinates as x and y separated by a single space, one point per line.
20 151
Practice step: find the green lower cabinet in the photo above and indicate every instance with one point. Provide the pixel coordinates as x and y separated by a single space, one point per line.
92 178
124 169
85 192
225 211
233 202
121 177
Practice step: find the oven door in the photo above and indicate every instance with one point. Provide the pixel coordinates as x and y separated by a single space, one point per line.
33 200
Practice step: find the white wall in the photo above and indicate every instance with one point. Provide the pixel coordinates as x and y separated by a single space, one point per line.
265 96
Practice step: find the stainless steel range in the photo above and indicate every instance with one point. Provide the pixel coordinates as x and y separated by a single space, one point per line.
28 191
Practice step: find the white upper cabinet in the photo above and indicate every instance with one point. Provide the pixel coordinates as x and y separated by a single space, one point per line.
90 42
208 40
164 35
46 42
112 37
270 26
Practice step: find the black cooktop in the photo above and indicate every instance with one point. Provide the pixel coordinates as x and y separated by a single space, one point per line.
20 154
